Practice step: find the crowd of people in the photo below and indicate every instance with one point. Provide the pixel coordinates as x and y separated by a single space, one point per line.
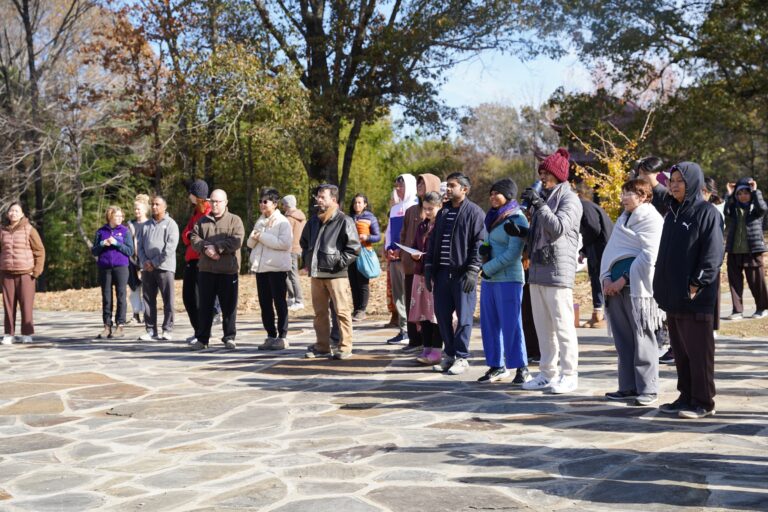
654 273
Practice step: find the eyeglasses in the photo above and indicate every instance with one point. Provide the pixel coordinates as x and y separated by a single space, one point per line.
217 201
265 201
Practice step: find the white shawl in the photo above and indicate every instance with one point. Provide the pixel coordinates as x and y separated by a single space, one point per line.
637 236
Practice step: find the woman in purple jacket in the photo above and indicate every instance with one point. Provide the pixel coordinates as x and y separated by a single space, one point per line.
113 246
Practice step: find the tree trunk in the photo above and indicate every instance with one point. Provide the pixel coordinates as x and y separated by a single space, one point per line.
349 153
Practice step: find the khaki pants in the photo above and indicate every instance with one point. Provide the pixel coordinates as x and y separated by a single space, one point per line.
554 319
336 290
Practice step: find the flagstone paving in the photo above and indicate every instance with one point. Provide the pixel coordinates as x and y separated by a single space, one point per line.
123 425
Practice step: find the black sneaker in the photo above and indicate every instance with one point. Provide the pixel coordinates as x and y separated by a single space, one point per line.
668 357
412 349
621 395
521 376
313 353
674 407
494 374
696 413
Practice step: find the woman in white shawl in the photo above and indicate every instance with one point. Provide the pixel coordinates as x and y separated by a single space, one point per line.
626 272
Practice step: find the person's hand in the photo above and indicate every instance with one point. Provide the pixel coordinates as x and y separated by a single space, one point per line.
255 236
752 185
514 229
469 281
532 197
416 257
730 187
210 251
692 291
428 277
581 258
363 237
148 266
607 290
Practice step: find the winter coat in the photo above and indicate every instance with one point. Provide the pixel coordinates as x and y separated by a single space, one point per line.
690 251
506 263
190 254
272 252
21 249
329 248
595 226
412 219
754 219
226 234
115 255
297 220
468 233
157 243
555 264
367 224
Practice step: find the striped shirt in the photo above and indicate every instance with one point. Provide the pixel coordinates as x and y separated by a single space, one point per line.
445 241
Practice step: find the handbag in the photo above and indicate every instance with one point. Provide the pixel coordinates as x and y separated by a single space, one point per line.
368 263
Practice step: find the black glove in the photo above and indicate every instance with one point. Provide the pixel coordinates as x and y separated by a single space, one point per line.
428 277
514 229
484 250
483 274
469 281
532 198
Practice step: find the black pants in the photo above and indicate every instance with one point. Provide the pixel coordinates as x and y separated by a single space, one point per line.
430 335
109 277
272 288
213 286
190 293
360 288
415 338
693 343
529 329
751 267
594 256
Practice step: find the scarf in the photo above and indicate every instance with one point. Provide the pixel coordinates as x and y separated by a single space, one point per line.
637 236
327 214
497 215
541 238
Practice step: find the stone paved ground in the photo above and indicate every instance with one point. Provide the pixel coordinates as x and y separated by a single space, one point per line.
120 425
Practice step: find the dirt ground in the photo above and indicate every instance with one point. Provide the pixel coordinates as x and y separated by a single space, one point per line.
89 299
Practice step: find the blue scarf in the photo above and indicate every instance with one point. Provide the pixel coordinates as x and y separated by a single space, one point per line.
496 215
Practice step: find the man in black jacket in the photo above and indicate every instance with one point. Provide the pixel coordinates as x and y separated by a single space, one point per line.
329 244
685 286
595 228
452 265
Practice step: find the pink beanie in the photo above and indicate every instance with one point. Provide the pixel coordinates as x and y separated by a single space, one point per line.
557 164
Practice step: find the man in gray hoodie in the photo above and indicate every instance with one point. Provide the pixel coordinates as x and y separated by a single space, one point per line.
157 241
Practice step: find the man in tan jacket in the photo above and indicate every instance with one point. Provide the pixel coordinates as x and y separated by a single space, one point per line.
297 219
218 237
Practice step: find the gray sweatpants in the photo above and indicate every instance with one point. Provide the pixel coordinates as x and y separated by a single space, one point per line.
637 350
292 280
397 275
152 282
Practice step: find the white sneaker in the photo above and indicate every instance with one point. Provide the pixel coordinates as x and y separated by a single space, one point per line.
167 336
7 340
538 382
296 306
148 336
230 345
565 384
458 367
25 339
191 340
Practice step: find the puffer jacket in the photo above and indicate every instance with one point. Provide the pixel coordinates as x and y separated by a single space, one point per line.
272 252
690 251
412 219
754 219
226 234
558 268
329 248
506 263
190 254
21 249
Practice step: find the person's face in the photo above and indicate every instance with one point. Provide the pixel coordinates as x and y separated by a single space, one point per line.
743 196
192 198
400 188
158 208
324 200
630 201
421 188
706 194
15 214
430 210
138 210
218 204
117 219
677 186
548 180
497 200
454 192
358 205
267 207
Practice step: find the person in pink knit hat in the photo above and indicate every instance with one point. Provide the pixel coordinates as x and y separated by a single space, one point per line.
553 248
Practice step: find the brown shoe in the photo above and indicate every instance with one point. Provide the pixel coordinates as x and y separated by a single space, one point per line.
118 332
597 321
105 333
393 321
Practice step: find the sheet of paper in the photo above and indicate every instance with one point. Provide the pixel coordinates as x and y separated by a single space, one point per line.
409 250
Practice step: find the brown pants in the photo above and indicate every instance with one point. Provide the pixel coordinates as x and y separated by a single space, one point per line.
693 343
336 290
751 266
18 290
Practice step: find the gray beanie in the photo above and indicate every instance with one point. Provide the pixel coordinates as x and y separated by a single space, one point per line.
289 201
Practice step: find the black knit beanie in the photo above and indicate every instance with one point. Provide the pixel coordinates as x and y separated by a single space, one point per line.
506 187
199 189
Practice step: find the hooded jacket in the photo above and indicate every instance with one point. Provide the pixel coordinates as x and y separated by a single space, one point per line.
754 214
397 212
412 219
690 251
297 220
